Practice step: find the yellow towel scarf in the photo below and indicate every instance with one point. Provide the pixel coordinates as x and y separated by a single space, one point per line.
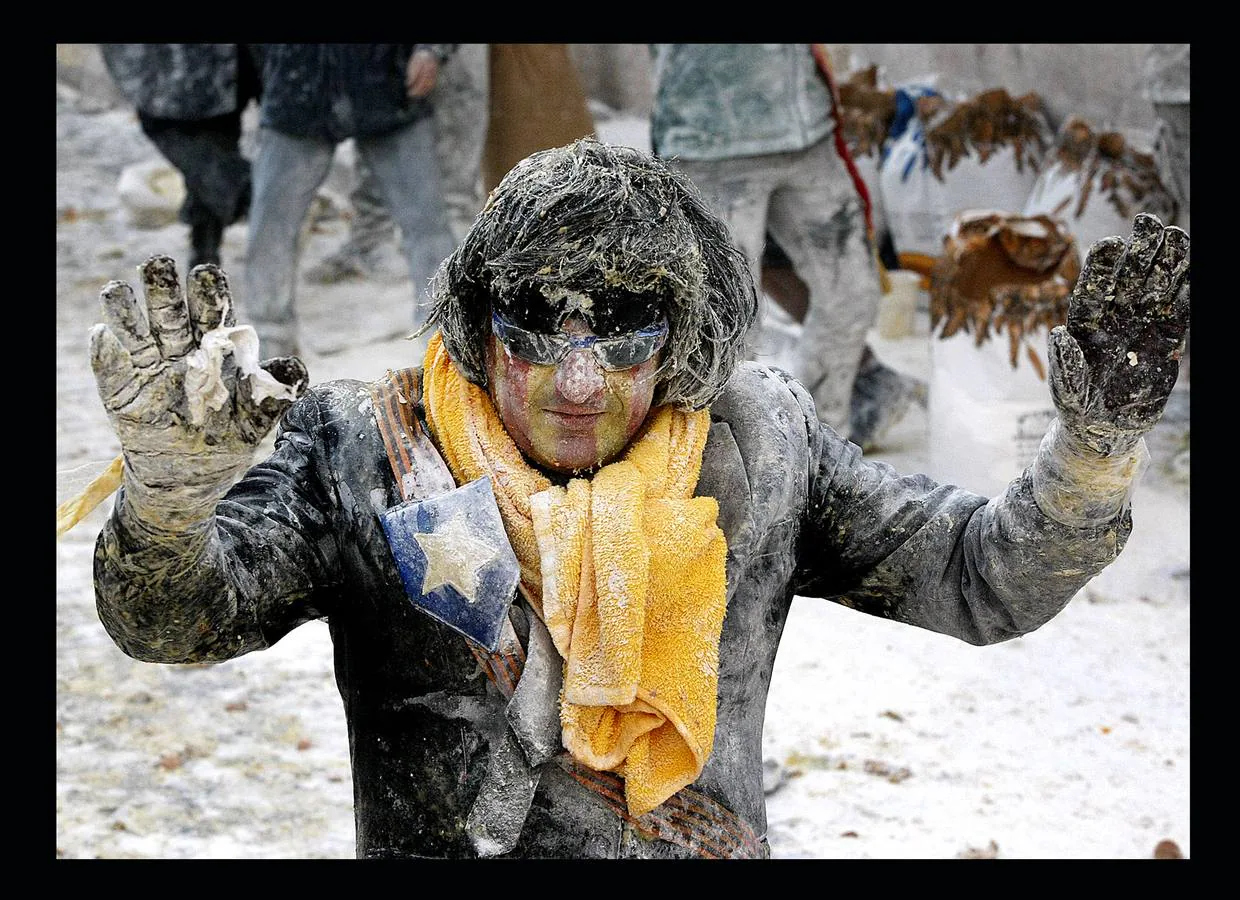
626 570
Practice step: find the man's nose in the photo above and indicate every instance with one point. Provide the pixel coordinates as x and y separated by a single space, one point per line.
579 377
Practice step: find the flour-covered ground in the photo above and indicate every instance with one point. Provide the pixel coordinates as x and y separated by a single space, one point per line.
884 741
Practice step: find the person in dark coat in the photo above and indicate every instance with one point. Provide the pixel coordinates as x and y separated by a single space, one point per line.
557 556
189 99
316 96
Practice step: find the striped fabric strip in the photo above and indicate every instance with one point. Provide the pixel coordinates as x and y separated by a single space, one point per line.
505 665
393 426
420 470
688 818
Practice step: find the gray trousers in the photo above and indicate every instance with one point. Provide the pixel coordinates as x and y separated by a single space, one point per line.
462 106
288 171
461 99
807 200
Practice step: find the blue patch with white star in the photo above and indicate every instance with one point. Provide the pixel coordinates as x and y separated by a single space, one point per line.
455 560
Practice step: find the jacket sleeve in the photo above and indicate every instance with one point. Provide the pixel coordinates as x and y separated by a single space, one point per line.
248 576
185 82
937 556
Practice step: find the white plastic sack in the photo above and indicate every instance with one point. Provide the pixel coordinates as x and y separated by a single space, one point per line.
1058 192
1081 198
919 208
152 193
986 418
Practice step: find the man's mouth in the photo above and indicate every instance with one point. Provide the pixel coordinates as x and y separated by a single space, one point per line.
574 418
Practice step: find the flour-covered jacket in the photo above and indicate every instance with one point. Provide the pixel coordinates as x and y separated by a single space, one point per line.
186 82
299 538
337 91
719 101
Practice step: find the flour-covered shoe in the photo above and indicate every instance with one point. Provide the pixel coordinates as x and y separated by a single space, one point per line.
881 398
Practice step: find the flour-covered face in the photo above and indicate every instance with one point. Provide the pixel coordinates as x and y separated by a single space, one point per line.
572 399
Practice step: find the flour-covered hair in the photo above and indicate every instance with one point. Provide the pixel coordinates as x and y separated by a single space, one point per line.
595 218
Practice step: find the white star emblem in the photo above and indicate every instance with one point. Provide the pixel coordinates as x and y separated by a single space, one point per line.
454 557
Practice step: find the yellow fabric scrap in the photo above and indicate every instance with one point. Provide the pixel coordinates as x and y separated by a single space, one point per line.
626 569
102 486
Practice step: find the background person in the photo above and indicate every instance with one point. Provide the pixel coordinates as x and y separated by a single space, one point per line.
314 97
189 99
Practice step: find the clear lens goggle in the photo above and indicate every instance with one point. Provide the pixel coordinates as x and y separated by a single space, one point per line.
550 349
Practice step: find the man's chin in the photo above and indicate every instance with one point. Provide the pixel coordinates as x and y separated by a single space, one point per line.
574 464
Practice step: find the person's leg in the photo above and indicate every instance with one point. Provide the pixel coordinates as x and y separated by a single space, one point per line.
462 105
372 225
818 220
287 172
206 234
217 177
369 229
881 395
738 191
407 172
781 282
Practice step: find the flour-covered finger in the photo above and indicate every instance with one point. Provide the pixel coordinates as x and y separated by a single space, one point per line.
263 397
166 308
1157 297
116 377
125 315
1069 377
1176 246
1181 284
209 300
1102 260
1135 266
1175 259
1095 286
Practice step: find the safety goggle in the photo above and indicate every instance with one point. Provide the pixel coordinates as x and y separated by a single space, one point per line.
549 349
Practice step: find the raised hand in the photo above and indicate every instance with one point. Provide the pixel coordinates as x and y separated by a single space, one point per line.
184 390
421 74
1114 364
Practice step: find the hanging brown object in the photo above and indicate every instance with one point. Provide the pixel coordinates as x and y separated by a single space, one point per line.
537 102
1003 275
867 112
982 125
1126 176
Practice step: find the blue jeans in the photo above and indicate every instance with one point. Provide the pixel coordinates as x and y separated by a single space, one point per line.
287 172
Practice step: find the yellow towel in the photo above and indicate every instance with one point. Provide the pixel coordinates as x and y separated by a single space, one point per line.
626 569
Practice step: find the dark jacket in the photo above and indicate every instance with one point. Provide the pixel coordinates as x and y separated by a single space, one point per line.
184 82
299 538
333 92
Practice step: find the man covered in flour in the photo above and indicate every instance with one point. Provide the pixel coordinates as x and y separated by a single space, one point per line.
556 557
